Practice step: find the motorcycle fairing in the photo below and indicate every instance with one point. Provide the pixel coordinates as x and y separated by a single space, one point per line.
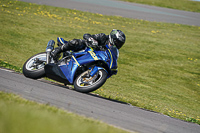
54 72
77 60
108 58
61 41
69 69
113 53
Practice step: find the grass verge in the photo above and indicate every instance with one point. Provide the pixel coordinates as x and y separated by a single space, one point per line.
22 116
5 64
158 66
187 5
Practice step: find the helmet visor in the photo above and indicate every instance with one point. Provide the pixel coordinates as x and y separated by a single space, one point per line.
118 44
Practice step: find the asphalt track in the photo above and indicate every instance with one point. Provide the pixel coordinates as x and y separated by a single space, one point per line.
126 9
112 112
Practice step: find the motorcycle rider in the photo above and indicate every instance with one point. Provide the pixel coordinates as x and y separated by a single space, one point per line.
115 38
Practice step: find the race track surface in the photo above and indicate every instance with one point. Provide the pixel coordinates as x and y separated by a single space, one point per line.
126 9
112 112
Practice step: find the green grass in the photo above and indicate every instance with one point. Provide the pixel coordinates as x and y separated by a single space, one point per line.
187 5
18 115
5 64
158 65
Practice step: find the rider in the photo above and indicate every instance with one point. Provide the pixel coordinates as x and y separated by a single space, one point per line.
115 38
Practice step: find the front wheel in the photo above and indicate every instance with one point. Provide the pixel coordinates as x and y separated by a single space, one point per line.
34 66
86 83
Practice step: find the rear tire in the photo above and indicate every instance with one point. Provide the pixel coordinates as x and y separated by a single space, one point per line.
88 84
33 72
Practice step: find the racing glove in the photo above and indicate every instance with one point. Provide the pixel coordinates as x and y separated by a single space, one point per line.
92 42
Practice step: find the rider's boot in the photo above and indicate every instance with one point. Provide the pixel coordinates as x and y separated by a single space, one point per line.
75 44
56 54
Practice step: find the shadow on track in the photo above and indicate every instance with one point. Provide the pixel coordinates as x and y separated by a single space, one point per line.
71 88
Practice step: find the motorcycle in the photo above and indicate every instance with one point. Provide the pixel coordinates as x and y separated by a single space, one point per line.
87 69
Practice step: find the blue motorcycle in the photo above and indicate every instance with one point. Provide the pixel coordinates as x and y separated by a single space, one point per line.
87 69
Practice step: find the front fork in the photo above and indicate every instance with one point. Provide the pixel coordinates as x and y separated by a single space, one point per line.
48 57
50 47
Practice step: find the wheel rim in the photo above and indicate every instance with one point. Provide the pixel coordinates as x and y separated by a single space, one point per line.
84 81
30 65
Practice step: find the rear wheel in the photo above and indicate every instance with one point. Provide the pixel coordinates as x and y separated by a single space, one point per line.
34 66
86 83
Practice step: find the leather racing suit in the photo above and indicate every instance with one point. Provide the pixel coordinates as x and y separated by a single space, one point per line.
94 41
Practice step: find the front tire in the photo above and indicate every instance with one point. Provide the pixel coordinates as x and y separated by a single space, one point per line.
85 83
33 69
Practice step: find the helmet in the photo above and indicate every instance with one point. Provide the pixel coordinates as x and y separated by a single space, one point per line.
117 38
